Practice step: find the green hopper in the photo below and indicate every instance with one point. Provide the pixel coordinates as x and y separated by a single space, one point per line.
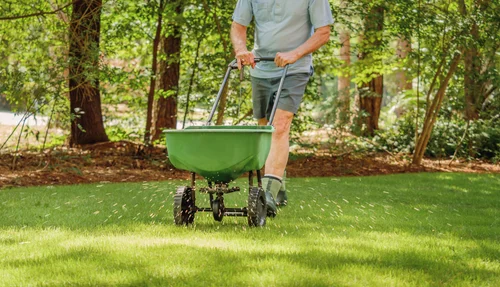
219 153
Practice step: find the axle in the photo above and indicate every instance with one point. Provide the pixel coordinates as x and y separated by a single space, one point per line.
227 211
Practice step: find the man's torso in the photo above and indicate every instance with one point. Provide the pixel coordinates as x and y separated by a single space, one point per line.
280 26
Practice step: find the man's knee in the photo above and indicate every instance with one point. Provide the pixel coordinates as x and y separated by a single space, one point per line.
282 122
262 122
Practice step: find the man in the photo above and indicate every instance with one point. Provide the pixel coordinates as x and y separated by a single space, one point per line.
289 30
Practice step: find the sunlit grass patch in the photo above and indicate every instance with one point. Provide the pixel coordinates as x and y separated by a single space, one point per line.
399 230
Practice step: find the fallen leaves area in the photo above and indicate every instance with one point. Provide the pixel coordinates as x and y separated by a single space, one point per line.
129 162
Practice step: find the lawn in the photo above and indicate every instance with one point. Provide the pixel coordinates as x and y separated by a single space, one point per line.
434 229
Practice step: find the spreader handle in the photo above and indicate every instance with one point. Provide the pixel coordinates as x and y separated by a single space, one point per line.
234 65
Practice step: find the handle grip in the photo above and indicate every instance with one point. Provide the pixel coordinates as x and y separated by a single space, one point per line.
268 59
234 64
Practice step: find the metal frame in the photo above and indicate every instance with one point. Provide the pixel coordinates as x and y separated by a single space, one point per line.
220 190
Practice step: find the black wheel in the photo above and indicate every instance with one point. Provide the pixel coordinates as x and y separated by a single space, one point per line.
218 208
257 210
184 207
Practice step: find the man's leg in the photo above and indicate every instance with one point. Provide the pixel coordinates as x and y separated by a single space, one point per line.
263 92
280 145
278 157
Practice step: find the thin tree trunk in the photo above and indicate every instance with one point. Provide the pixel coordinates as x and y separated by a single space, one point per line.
4 104
403 49
344 80
169 78
459 143
191 80
472 81
221 109
85 100
152 84
230 54
432 112
370 103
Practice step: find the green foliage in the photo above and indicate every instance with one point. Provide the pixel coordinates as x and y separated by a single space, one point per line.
481 139
33 75
119 132
32 70
400 137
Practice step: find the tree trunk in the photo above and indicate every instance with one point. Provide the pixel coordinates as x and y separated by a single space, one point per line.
344 80
370 103
432 112
472 81
85 100
475 83
403 49
152 84
221 109
166 115
370 98
4 104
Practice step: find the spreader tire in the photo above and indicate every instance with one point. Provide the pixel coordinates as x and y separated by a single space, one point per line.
184 207
257 210
218 208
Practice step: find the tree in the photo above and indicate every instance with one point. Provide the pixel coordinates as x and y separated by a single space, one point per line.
479 56
344 79
371 91
433 109
165 115
403 49
85 101
152 83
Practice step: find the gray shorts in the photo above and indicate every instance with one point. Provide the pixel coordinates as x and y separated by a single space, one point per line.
264 90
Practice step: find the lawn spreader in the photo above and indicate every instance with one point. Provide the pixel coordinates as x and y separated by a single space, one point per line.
220 154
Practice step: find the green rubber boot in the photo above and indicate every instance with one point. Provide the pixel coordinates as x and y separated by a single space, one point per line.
272 208
271 187
282 197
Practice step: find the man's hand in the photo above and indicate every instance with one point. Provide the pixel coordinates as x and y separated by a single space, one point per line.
239 39
245 58
283 59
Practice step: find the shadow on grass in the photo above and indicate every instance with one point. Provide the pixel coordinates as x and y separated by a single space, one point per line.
316 266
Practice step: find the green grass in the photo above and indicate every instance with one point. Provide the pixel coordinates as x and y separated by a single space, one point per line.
400 230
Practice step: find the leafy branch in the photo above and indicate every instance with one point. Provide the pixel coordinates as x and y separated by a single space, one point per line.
41 13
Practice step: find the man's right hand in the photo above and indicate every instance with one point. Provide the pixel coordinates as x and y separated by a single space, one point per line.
245 58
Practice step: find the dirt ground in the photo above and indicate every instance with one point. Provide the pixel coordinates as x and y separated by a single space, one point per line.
127 162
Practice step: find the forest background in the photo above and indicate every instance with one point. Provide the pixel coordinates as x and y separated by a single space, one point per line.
415 78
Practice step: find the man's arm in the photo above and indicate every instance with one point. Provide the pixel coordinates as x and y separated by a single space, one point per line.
239 40
320 37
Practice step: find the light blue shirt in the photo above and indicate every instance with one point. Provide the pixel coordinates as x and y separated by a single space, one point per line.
282 26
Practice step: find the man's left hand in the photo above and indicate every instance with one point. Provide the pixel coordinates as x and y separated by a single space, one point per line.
283 59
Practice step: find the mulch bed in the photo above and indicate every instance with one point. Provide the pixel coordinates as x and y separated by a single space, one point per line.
128 162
